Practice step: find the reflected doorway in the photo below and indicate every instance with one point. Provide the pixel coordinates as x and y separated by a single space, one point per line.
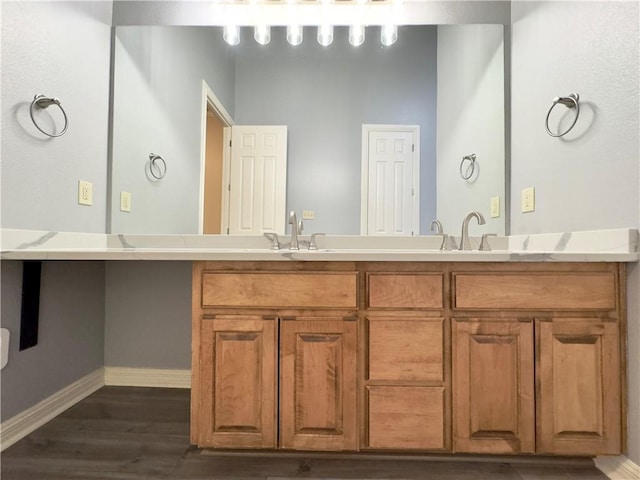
213 178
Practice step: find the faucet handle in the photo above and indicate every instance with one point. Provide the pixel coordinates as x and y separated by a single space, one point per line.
313 245
484 244
273 238
300 227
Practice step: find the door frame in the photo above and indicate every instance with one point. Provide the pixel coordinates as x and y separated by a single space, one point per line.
364 176
210 100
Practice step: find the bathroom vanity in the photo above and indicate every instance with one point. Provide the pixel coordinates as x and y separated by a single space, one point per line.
465 357
374 344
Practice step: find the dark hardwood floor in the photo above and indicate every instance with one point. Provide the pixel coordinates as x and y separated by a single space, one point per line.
143 433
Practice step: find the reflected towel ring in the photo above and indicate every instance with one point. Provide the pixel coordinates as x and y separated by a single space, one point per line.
570 102
40 101
154 162
471 167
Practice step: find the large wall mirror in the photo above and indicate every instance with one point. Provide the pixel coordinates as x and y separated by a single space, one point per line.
446 80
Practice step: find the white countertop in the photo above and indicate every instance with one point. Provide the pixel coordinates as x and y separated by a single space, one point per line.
619 245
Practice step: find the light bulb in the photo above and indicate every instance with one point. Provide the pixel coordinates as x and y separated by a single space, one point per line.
294 34
231 34
388 34
325 35
262 34
356 35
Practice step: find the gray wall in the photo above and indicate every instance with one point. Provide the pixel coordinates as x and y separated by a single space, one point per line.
324 95
590 179
158 104
70 335
148 311
471 120
59 49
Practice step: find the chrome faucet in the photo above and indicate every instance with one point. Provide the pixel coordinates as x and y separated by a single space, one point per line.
436 223
448 242
293 221
465 244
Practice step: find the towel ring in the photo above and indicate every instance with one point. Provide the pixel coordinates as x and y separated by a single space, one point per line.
40 101
570 102
154 162
471 168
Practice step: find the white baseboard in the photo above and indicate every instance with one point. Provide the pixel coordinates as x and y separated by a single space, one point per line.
617 467
34 417
147 377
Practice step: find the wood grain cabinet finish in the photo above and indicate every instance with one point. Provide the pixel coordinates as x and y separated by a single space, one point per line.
493 386
579 407
237 404
318 383
405 290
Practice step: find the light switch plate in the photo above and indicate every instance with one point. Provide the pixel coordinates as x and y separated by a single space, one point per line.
528 200
495 207
308 214
125 201
85 192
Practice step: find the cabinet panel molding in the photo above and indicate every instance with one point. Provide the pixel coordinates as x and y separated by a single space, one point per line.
493 387
579 406
318 384
237 382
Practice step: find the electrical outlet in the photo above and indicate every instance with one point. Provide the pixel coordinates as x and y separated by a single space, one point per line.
495 207
85 193
125 201
308 214
528 200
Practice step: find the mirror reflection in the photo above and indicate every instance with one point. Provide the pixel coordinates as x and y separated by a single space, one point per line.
365 140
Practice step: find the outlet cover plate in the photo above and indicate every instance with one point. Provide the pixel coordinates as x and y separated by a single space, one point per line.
125 201
528 200
495 207
85 193
308 214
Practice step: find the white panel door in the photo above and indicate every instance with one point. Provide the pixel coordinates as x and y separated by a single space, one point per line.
391 184
257 180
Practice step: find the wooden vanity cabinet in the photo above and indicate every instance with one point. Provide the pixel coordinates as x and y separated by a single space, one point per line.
405 390
536 359
263 329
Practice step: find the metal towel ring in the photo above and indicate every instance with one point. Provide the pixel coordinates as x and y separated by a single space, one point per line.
40 101
153 158
471 168
570 102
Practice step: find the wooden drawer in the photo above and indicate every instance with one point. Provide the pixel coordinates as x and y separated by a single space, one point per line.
405 417
275 289
405 349
405 290
586 291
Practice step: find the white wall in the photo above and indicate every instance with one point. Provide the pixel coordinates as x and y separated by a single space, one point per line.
470 121
587 179
590 179
70 333
157 109
59 49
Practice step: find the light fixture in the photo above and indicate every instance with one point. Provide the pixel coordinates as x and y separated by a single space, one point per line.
262 34
388 34
231 34
356 35
325 35
294 34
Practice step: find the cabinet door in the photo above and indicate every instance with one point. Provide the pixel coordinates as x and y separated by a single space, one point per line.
318 383
579 409
238 382
493 386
